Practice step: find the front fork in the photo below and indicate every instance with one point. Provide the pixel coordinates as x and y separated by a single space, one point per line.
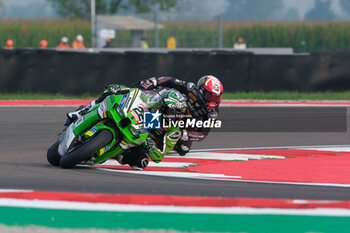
109 154
110 150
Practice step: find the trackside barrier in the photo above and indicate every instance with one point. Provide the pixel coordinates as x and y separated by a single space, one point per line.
77 72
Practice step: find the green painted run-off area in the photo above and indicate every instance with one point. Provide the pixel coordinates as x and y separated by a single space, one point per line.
175 221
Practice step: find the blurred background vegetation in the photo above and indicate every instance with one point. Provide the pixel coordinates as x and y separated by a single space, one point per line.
304 25
28 33
302 36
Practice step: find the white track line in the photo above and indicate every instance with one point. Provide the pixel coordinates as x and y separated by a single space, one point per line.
15 190
333 149
233 156
316 147
196 175
293 183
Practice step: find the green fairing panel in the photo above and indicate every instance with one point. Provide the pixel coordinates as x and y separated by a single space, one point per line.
112 113
112 153
84 122
107 109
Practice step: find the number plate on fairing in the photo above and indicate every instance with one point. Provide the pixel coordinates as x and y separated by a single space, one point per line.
79 121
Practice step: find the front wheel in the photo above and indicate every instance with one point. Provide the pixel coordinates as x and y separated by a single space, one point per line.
86 150
52 155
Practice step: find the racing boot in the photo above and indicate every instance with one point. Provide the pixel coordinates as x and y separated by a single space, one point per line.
136 157
183 146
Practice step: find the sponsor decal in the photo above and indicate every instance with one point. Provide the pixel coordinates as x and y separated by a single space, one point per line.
163 92
103 150
134 115
143 107
79 121
174 136
130 98
122 101
143 131
179 82
127 102
91 132
213 115
192 96
215 85
138 126
102 110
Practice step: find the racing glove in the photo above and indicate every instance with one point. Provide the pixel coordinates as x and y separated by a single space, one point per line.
112 89
148 83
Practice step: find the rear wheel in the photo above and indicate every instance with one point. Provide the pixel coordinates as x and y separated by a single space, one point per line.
86 150
52 155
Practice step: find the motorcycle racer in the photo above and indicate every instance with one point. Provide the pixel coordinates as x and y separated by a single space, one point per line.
161 140
203 101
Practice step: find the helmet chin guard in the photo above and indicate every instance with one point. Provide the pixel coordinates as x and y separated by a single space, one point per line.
210 90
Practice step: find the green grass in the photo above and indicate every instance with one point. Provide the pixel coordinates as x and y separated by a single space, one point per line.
228 95
288 95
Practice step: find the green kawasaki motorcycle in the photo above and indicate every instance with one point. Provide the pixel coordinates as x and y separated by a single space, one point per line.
107 130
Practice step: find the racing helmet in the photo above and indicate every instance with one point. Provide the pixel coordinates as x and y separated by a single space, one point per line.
174 104
210 90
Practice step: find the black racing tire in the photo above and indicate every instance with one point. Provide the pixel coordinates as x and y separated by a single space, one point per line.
87 150
52 155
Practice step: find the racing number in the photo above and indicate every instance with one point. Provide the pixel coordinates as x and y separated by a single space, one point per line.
139 112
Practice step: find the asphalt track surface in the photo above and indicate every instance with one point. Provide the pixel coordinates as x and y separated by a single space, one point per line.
27 132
